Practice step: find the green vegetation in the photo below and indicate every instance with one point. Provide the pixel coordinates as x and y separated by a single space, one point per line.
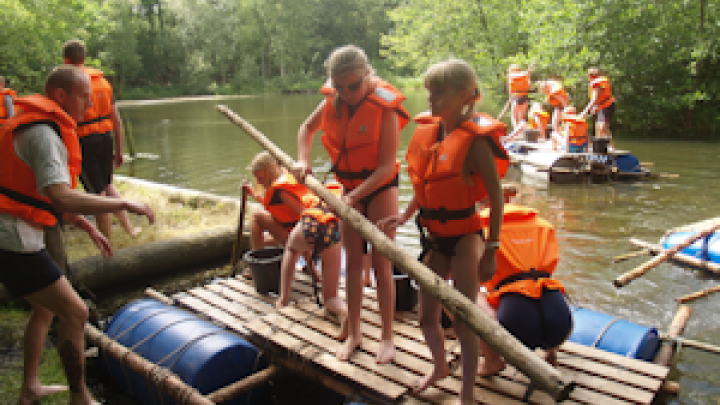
662 57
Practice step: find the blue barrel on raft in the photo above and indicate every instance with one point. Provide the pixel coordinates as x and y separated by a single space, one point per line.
698 249
627 163
615 335
203 355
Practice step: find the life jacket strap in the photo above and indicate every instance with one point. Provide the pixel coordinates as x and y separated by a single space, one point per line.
443 215
532 274
346 175
31 201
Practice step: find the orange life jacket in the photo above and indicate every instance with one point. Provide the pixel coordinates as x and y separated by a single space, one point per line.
557 97
519 83
577 129
312 204
274 204
605 96
542 116
527 243
447 202
3 113
352 143
97 118
19 195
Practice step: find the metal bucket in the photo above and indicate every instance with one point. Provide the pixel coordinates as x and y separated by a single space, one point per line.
265 267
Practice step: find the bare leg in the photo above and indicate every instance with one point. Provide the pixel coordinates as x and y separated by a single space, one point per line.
122 215
296 245
261 221
72 314
430 310
354 291
35 333
492 362
384 205
367 269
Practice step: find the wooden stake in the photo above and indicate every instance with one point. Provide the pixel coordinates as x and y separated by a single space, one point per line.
167 382
237 246
686 298
644 268
665 354
630 255
681 257
545 377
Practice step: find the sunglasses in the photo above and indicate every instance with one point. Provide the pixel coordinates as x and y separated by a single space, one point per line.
350 87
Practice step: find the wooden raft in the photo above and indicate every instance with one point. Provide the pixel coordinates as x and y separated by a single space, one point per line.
308 333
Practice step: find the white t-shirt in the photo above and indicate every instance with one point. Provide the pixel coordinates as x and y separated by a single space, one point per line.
44 151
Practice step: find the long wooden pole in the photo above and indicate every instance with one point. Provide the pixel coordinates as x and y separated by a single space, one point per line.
238 239
707 291
644 268
504 110
630 255
541 373
687 259
168 382
706 347
677 326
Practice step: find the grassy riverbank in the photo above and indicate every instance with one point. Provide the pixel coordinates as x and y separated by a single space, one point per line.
176 215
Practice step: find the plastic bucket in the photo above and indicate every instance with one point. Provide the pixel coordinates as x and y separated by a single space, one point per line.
203 355
600 145
265 267
615 335
627 164
406 294
697 249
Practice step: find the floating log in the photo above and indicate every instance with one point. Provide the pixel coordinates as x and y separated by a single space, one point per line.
666 254
706 347
677 326
630 255
686 298
545 377
163 378
680 257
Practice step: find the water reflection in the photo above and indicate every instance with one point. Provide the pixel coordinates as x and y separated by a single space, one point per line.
199 148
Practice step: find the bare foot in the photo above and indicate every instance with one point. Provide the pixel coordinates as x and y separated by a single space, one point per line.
490 368
346 350
31 395
344 328
386 353
438 373
281 303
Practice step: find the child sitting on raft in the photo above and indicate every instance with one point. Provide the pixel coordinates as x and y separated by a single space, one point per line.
288 203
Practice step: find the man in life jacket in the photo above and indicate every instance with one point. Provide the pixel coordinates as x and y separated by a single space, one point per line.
7 101
101 138
527 301
39 164
601 102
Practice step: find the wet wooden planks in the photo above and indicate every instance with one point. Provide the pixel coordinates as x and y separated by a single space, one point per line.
309 333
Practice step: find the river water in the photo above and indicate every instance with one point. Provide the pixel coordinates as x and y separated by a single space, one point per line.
199 148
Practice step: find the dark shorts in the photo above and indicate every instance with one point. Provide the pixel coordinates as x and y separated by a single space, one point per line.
544 323
26 273
446 245
97 162
320 235
606 114
520 99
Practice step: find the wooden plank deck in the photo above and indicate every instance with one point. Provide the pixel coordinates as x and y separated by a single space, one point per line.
307 332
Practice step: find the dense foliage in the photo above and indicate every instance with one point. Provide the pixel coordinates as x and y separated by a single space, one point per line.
662 57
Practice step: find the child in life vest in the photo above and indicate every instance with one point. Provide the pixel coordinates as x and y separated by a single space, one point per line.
454 160
522 294
518 87
289 203
539 119
575 130
557 98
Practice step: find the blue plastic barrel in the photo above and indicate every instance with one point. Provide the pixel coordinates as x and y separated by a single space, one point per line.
615 335
203 355
627 164
713 248
697 249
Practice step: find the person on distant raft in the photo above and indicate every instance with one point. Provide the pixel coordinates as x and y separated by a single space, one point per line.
455 159
601 102
39 165
7 101
575 130
518 88
557 98
539 119
361 118
522 295
100 127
